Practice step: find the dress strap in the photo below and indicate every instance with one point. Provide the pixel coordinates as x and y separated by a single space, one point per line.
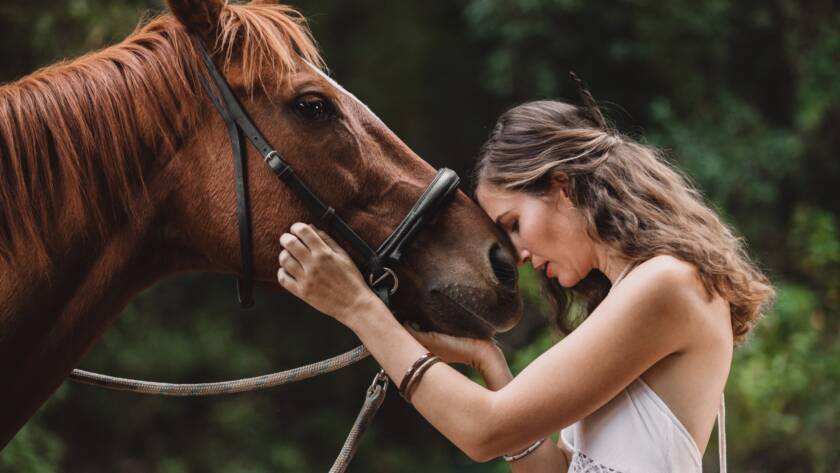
721 418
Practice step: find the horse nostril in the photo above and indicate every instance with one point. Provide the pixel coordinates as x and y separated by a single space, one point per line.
504 266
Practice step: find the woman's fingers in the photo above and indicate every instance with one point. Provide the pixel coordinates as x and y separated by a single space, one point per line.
317 241
294 246
451 349
326 279
288 282
309 237
290 264
328 240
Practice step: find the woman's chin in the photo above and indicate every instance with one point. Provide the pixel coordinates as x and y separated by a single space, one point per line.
562 280
567 282
556 279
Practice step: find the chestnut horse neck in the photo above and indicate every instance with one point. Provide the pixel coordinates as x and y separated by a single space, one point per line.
84 147
89 159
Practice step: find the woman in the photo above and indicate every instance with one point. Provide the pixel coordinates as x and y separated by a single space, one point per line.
619 237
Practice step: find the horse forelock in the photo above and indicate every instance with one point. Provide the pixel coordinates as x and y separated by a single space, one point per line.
265 37
76 136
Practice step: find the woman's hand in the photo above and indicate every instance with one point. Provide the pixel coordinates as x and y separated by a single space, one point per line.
473 352
481 354
316 269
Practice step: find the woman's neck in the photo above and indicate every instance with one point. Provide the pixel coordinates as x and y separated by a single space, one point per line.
611 264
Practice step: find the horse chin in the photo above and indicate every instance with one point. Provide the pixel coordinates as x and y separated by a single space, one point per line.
449 315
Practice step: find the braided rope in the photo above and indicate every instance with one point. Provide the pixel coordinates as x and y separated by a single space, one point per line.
373 400
223 387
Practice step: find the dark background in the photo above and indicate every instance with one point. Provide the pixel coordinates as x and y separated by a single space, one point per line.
744 96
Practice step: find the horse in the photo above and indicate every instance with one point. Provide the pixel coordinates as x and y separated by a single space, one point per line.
115 173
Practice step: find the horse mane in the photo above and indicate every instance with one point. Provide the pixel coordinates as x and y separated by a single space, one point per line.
76 136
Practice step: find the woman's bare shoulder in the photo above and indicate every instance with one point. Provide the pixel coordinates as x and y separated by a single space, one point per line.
673 272
697 308
669 264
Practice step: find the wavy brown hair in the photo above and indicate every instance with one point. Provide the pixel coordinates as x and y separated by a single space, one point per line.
633 200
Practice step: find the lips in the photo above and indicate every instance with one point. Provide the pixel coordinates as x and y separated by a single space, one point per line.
545 268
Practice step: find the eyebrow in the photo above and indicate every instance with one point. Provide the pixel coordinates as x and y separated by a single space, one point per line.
499 217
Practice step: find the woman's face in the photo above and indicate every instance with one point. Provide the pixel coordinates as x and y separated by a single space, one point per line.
547 230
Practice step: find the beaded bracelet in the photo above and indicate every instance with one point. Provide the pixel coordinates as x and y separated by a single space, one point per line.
524 453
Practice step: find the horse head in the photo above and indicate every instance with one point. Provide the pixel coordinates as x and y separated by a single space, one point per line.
459 273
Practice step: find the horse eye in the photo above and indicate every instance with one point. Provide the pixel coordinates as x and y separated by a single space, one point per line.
313 107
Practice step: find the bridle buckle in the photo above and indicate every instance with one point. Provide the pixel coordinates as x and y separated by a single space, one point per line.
271 154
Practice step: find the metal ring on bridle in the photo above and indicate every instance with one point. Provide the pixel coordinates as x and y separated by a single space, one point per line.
387 272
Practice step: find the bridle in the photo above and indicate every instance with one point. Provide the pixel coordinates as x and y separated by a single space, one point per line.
377 263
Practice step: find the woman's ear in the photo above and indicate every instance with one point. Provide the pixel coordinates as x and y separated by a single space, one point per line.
559 190
200 17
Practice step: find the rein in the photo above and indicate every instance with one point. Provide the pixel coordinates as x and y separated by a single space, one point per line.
376 265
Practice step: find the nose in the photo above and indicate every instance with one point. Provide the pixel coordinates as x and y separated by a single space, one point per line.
537 262
524 255
504 266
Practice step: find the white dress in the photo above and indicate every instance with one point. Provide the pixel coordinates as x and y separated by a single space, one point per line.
636 432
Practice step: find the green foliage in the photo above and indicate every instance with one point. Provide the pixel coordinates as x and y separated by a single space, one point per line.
35 449
783 385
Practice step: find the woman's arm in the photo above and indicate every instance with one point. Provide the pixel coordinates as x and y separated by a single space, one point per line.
550 457
645 318
489 360
455 405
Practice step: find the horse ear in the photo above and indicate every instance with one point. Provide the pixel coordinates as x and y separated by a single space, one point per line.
198 16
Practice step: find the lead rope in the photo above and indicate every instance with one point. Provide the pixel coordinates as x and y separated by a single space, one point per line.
223 387
373 398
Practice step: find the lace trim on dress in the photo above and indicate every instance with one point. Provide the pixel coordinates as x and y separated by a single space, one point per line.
581 463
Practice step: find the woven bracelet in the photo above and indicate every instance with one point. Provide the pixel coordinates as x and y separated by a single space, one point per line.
417 375
410 372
